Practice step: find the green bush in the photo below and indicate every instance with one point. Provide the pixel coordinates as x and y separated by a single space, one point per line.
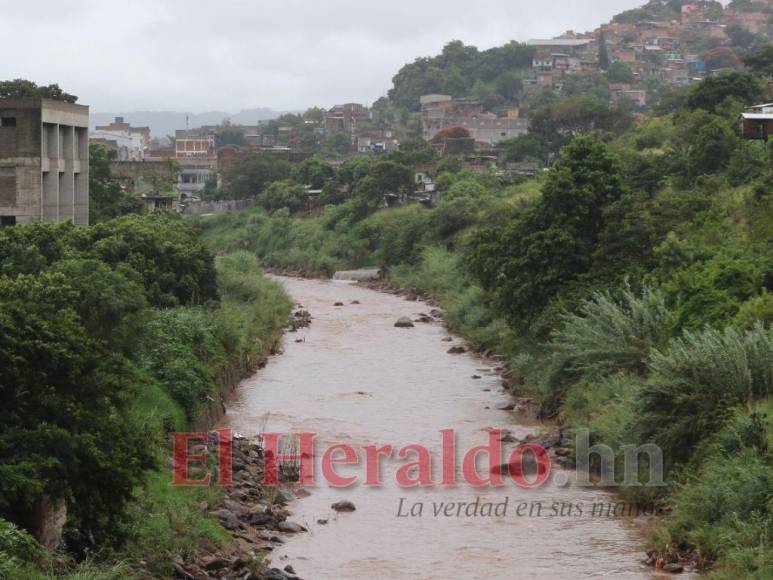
397 235
699 381
756 310
725 509
16 543
610 334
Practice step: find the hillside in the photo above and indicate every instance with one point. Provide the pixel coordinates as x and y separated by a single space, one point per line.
663 44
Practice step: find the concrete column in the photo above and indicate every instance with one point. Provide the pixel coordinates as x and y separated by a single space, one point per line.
50 189
82 177
67 178
81 199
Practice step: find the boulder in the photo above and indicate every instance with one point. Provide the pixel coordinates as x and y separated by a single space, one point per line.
227 519
404 322
235 507
673 568
290 527
343 506
505 406
260 519
215 563
338 304
448 339
457 350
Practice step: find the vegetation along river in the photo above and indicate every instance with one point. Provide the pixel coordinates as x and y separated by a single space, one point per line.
357 379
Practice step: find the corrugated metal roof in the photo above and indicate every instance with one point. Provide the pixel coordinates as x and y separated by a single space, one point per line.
758 116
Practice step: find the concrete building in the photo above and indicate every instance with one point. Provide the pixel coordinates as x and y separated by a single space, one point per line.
126 148
194 143
44 162
346 118
570 46
441 112
194 175
757 122
195 152
133 142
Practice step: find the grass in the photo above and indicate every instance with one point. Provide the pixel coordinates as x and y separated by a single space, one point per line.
168 522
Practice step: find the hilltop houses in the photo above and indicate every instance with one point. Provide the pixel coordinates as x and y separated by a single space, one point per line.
440 112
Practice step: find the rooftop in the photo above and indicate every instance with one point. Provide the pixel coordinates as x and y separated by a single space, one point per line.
561 42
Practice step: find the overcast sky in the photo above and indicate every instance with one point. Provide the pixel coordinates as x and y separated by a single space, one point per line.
196 55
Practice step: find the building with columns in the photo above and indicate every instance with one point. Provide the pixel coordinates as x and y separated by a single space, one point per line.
44 162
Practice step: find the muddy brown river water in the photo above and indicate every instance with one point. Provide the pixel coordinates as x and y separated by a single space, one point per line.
357 379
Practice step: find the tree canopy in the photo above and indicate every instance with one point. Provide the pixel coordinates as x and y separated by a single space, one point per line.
20 88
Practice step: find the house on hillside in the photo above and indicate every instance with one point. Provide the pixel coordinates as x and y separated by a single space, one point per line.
572 46
757 122
441 113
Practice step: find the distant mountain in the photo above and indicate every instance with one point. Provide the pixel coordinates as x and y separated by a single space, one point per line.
163 123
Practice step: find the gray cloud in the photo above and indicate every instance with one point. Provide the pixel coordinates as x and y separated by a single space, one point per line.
201 55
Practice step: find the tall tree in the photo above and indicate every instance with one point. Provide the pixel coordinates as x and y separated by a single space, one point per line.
530 258
107 200
604 60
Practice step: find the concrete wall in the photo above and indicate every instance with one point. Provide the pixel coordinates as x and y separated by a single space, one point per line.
141 169
44 163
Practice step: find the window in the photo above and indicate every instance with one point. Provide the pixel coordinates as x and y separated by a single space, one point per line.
7 121
8 220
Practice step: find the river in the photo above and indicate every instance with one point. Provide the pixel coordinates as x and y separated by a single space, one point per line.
357 379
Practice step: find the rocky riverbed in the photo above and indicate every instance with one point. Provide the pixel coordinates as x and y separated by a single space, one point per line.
354 377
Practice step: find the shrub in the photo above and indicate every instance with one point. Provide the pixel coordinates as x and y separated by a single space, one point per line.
757 310
16 543
611 334
699 380
182 352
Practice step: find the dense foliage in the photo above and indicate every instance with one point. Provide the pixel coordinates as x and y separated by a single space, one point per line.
110 337
21 89
107 198
493 75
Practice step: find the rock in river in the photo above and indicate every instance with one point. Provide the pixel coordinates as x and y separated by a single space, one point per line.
404 322
290 527
343 506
